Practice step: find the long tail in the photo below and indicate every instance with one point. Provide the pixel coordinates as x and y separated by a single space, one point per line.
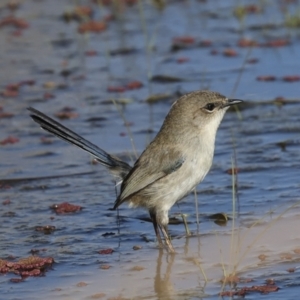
116 166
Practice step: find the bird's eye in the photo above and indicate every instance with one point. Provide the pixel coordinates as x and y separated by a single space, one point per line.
210 106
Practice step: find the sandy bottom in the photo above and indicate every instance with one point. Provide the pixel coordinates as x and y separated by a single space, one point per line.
253 249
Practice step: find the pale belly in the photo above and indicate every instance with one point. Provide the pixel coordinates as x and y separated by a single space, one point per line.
164 193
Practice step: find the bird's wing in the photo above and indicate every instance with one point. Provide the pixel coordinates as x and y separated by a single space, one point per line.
148 169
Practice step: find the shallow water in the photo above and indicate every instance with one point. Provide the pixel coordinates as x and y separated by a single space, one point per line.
264 143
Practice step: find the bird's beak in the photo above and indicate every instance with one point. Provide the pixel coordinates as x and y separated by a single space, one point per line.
232 102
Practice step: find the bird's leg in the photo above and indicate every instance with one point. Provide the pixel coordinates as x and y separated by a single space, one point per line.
164 230
155 225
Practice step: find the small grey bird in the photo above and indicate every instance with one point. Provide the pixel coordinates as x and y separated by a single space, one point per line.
176 160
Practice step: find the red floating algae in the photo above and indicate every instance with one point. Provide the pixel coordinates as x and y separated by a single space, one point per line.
66 207
106 251
25 267
9 140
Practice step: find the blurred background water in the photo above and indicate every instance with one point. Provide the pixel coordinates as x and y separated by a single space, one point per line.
124 79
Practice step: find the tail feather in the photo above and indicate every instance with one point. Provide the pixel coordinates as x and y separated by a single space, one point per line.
116 166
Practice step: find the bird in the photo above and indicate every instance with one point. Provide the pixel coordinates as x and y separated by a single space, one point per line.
177 159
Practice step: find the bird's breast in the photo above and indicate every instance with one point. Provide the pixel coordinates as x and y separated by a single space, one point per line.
165 192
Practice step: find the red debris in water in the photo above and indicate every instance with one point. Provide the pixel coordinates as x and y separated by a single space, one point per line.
230 279
17 32
277 43
15 22
91 53
233 171
266 78
66 207
13 87
291 270
247 43
9 140
182 42
252 9
5 115
5 186
48 96
46 140
11 90
134 85
240 293
264 289
291 78
230 52
9 93
6 202
30 266
116 89
187 40
109 18
29 82
83 11
129 86
181 60
66 113
205 43
13 5
106 251
92 26
79 13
